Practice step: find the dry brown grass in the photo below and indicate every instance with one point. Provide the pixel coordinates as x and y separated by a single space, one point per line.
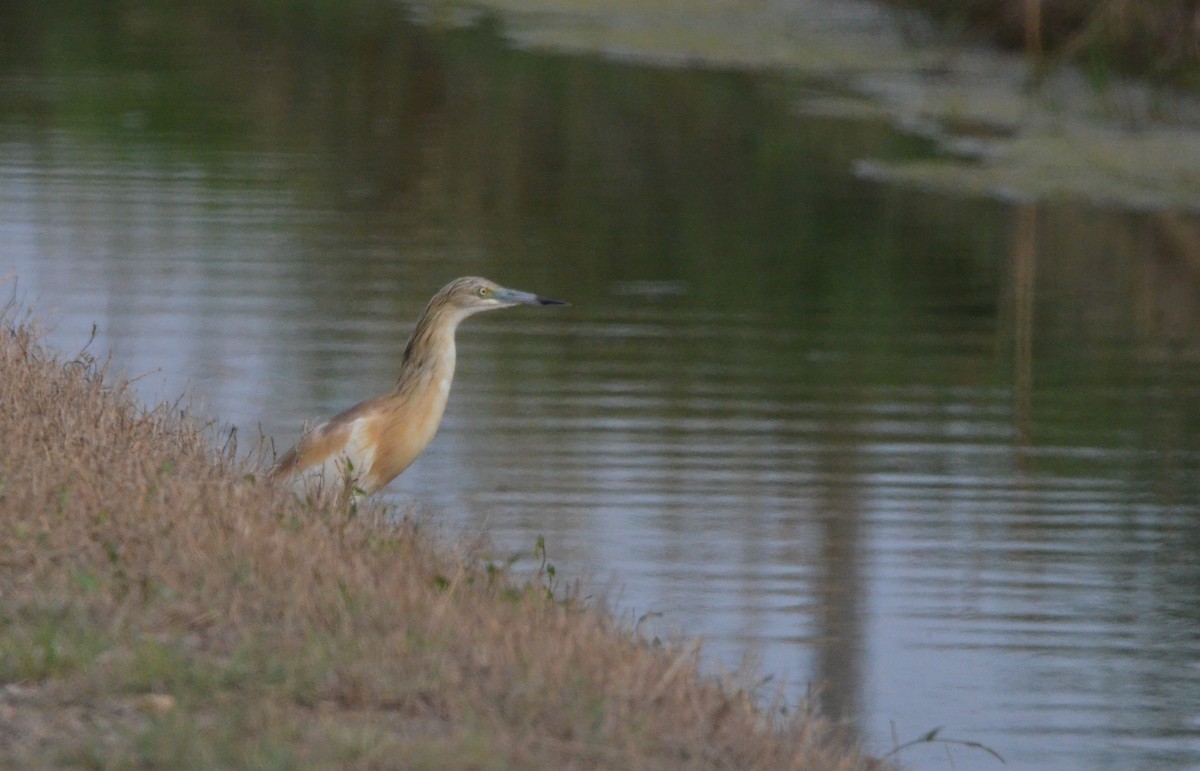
163 609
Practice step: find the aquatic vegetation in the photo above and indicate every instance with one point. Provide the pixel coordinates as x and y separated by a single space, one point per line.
1157 38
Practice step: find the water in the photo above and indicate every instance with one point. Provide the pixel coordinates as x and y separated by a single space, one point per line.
936 458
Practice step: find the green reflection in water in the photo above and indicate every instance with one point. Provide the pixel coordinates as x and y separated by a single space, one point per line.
1013 371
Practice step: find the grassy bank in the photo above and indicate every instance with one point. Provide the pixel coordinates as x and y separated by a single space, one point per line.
162 609
1157 38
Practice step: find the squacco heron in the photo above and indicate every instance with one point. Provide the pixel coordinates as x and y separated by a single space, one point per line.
368 445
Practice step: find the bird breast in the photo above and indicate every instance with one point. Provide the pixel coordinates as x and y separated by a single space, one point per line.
407 423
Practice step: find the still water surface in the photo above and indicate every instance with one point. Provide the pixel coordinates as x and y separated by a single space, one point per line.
936 458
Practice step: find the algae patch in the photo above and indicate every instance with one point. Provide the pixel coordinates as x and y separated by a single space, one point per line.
1003 130
1147 170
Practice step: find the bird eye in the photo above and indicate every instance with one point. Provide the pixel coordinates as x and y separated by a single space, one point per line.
483 291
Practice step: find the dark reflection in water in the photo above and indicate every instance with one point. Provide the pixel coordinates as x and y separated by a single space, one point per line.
937 459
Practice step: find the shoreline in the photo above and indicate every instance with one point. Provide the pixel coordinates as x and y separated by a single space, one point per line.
165 608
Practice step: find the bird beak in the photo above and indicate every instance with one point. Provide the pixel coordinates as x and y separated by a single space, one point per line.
526 298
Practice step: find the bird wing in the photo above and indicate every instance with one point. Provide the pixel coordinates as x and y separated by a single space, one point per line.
372 442
330 445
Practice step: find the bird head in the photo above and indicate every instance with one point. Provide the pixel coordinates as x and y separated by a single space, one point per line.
473 294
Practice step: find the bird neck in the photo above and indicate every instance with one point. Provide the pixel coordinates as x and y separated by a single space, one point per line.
429 355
